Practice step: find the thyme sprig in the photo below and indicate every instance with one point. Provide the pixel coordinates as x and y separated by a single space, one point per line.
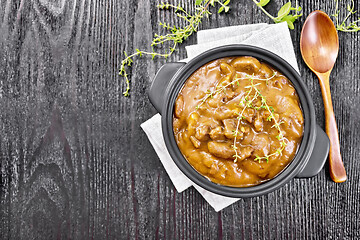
252 94
246 103
276 124
177 34
346 25
222 88
283 14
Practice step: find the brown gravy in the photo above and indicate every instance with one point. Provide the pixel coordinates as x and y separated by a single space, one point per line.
237 121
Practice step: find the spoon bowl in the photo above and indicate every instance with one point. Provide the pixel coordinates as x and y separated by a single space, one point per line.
319 42
319 45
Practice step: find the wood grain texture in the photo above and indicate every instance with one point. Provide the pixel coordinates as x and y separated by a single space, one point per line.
75 163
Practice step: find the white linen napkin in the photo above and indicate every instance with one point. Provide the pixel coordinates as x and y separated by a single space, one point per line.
273 37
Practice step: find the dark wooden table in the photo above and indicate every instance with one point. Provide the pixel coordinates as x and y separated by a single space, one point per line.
75 163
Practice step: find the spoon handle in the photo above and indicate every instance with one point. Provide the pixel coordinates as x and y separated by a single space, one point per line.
337 170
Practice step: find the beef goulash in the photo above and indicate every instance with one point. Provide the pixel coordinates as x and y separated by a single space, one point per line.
238 121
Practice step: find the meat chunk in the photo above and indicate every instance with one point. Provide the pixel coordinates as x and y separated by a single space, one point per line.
207 159
244 153
289 107
195 142
230 94
261 144
258 122
230 129
245 129
202 132
217 133
214 168
265 115
216 100
278 82
224 81
220 149
192 122
224 113
259 169
221 98
227 69
266 71
249 114
246 64
248 136
292 127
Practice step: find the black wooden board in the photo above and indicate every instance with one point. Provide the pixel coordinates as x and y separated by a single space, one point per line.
75 163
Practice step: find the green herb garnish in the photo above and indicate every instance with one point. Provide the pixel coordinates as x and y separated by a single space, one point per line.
177 34
346 25
283 14
252 94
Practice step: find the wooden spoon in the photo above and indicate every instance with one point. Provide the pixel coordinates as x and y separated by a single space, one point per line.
319 45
